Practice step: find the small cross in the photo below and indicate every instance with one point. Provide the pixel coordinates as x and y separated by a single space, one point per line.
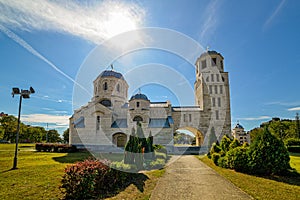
139 91
207 48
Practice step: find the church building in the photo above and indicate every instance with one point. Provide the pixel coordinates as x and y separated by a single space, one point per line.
105 123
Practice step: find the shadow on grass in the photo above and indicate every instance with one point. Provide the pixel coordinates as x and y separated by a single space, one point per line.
73 157
292 177
8 170
136 179
80 156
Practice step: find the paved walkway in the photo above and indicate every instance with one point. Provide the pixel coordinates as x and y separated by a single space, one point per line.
190 179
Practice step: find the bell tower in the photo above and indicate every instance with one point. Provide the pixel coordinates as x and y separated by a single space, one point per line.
110 89
212 92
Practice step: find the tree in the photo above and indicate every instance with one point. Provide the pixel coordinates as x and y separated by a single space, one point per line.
268 155
254 132
66 136
53 136
137 147
149 152
282 129
9 127
129 148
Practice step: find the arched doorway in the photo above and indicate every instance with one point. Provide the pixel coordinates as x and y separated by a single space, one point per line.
137 119
199 137
119 139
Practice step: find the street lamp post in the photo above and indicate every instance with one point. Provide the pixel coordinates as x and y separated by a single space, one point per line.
23 94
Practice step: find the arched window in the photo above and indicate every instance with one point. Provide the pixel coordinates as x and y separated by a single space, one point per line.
118 88
106 103
137 119
105 86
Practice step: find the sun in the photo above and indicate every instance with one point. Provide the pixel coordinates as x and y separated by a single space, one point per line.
119 22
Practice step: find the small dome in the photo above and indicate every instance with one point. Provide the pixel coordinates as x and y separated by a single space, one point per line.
139 96
111 73
211 53
239 126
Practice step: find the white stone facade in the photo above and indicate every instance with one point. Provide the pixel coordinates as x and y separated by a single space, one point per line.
106 122
240 134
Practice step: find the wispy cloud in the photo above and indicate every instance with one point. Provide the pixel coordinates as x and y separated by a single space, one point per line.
92 20
30 49
294 109
59 120
51 110
255 118
274 14
210 16
47 98
283 103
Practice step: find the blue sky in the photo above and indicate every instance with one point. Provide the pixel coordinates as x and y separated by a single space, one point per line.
44 44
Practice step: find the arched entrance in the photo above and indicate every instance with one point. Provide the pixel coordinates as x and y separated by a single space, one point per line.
119 139
199 137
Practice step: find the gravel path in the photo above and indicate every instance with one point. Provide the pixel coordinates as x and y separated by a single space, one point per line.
188 178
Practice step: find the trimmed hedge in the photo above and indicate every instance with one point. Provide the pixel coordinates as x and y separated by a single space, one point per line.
53 147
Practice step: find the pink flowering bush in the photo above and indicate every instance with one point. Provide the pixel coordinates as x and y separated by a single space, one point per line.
81 179
95 179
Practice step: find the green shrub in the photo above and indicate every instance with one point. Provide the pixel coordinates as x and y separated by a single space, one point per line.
120 165
235 143
292 142
268 155
215 149
160 148
215 157
225 143
237 159
209 155
54 147
223 162
157 164
161 155
246 144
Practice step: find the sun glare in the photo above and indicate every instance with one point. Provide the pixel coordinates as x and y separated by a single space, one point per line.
119 22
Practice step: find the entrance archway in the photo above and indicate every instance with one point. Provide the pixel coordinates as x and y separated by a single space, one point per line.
199 137
119 139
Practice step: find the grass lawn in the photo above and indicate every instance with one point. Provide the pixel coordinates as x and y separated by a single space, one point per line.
272 187
39 174
295 161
